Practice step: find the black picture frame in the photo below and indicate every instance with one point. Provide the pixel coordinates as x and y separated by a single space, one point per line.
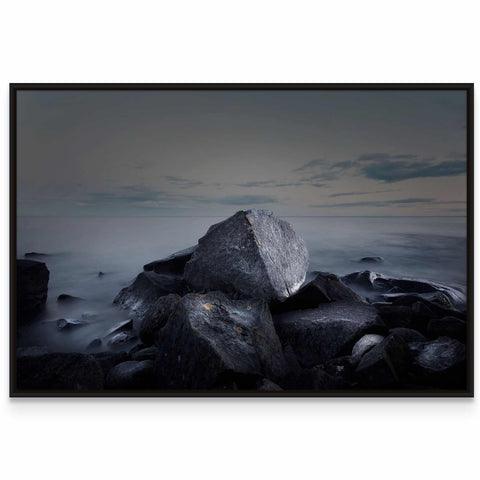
467 87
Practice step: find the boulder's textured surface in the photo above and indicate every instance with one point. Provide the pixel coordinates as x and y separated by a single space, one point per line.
408 334
366 343
32 288
130 375
148 287
210 336
253 253
447 327
439 363
320 334
325 287
174 263
59 371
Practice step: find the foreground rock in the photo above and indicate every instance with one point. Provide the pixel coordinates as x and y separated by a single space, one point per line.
146 289
325 287
328 331
210 340
32 289
449 327
253 254
59 371
376 285
365 344
174 263
131 375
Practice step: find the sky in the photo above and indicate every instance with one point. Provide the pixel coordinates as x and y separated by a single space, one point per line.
203 153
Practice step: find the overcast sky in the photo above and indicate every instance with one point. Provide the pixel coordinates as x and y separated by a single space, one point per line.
148 153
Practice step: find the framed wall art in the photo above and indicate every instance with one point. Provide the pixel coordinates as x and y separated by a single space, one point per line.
241 240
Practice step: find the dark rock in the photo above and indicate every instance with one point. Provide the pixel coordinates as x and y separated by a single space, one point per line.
121 339
124 326
395 315
131 375
375 285
174 263
69 298
107 360
336 374
326 332
66 324
94 344
371 260
325 287
156 316
253 254
437 298
447 327
34 351
149 353
59 371
36 255
365 344
32 289
440 363
385 365
148 287
100 274
408 334
211 337
266 385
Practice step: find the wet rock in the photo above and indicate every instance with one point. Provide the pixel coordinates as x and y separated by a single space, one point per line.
149 353
156 316
320 334
107 360
325 287
209 337
385 365
395 315
64 298
437 298
174 263
266 385
447 327
95 344
123 326
131 375
59 371
366 343
336 374
371 260
440 363
408 334
122 339
66 324
148 287
32 289
253 254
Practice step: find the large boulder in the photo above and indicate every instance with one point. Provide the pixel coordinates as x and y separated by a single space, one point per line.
148 287
326 332
325 287
210 338
253 254
448 327
136 375
376 286
59 371
174 263
32 288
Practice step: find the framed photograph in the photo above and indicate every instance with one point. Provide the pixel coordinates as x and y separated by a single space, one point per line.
241 240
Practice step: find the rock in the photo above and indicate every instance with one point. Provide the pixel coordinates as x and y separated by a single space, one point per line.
211 338
35 255
149 353
95 344
437 298
174 263
121 339
124 326
325 287
336 374
107 360
156 316
365 344
371 260
59 371
32 289
34 351
395 315
385 365
148 287
266 385
253 254
447 327
130 375
439 363
374 285
408 334
69 298
66 324
326 332
100 274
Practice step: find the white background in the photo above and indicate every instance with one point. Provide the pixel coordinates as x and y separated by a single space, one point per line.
221 41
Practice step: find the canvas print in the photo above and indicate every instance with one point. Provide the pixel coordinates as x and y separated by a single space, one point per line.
252 240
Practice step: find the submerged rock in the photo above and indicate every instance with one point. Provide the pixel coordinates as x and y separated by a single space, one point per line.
208 338
65 324
36 255
65 298
32 289
253 253
174 263
325 287
326 332
95 344
130 375
371 260
59 371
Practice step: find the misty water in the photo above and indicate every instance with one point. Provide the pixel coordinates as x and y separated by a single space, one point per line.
429 248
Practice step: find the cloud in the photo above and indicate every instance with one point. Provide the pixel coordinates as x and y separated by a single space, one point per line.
378 203
241 200
347 194
183 182
310 164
